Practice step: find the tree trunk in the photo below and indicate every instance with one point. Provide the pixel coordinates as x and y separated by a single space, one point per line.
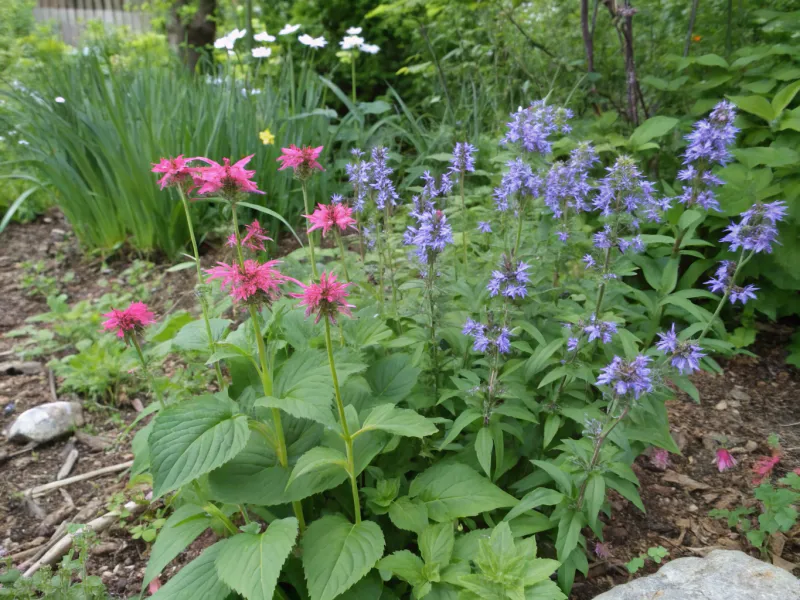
623 17
588 43
193 36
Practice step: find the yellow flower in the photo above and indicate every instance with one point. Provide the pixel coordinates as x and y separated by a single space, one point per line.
266 137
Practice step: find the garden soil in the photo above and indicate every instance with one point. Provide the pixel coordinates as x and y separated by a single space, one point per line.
755 397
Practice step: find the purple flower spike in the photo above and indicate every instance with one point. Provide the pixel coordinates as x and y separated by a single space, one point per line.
627 378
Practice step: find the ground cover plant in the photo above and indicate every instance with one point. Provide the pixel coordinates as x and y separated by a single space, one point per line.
434 396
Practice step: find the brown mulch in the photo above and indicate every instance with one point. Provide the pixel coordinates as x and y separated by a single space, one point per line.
752 399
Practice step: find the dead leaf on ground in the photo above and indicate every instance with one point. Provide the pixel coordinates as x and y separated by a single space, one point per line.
684 481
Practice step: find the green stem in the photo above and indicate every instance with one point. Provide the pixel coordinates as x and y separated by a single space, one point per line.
389 255
742 261
519 227
466 219
147 373
202 281
341 251
601 290
434 344
596 455
348 439
213 510
310 235
353 76
381 289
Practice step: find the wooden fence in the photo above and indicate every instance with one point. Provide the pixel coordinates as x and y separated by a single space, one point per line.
70 16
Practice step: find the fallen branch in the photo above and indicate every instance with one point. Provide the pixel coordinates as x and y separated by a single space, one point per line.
40 490
69 463
63 545
9 455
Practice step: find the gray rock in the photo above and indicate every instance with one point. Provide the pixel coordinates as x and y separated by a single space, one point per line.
16 367
722 575
46 422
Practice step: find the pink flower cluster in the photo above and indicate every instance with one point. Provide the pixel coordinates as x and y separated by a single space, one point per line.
253 281
228 179
254 238
129 321
302 160
724 460
328 216
325 298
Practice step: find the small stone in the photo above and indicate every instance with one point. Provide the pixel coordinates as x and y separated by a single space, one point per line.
750 446
46 422
721 405
56 232
722 575
693 508
106 575
16 367
739 394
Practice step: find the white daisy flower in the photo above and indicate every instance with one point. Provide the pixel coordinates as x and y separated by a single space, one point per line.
261 52
60 100
23 143
351 41
370 48
354 31
264 37
224 42
312 42
288 28
237 34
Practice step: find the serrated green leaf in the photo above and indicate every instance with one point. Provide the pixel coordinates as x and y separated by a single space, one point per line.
180 530
483 448
408 514
452 491
404 565
337 554
317 459
398 421
251 563
196 581
317 408
392 378
193 336
436 544
193 438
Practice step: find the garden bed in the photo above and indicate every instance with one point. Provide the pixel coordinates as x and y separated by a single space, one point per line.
756 396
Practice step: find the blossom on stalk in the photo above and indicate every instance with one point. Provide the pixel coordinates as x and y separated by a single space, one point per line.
484 227
463 160
253 239
530 127
353 30
764 466
608 238
328 216
253 282
600 330
261 52
370 48
176 170
431 234
267 138
723 283
312 42
358 174
624 192
228 179
709 145
264 37
431 190
518 183
685 355
288 29
724 460
350 42
757 229
510 280
302 160
488 338
130 321
627 377
326 298
380 181
566 185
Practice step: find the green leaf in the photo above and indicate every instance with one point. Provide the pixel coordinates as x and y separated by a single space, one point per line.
337 554
545 590
569 530
560 477
755 105
180 530
538 497
436 544
408 514
654 127
782 99
193 336
483 448
669 277
251 564
196 581
766 155
317 459
399 421
405 565
626 489
463 420
711 60
551 425
192 438
378 107
595 496
451 491
392 378
303 387
315 408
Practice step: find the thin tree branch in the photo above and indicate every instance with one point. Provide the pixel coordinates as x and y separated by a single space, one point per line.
532 42
692 17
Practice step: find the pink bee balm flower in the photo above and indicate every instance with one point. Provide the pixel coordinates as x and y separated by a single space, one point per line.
253 239
602 551
763 467
724 460
326 298
257 280
660 459
328 216
154 586
131 320
228 178
302 160
176 170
